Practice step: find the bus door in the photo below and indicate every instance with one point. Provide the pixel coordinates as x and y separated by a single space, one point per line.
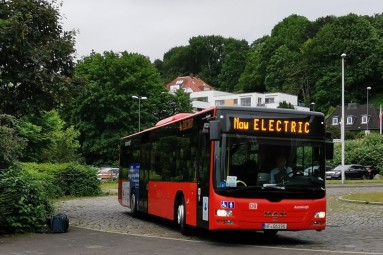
203 167
144 178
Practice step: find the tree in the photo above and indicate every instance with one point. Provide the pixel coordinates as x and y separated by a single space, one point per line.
11 144
36 57
355 36
233 63
49 139
104 110
273 61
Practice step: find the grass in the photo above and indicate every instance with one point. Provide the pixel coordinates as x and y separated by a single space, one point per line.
353 181
368 197
105 185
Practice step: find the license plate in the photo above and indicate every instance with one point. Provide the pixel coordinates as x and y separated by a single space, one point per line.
274 226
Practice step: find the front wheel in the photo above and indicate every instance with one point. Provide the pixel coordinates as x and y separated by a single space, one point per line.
181 217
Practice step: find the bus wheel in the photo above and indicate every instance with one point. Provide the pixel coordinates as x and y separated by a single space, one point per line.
181 218
133 204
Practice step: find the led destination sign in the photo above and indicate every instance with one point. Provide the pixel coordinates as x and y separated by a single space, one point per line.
281 126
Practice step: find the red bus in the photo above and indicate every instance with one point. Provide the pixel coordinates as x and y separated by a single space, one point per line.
212 169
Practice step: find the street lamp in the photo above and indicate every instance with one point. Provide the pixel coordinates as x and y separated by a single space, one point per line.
139 110
367 131
342 123
313 105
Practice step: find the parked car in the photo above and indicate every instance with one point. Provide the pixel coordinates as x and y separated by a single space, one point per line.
352 171
372 171
313 170
107 173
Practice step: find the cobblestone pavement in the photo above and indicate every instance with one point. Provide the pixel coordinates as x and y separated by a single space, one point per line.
351 227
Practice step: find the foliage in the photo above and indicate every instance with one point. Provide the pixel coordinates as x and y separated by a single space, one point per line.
24 206
11 144
49 140
217 60
365 151
355 36
36 57
67 179
78 180
285 105
104 110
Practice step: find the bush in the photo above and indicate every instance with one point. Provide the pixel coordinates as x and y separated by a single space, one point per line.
78 180
24 206
66 179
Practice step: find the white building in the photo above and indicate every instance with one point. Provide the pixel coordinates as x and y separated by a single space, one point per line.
204 96
205 99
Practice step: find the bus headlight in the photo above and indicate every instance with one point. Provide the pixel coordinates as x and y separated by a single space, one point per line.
320 215
224 213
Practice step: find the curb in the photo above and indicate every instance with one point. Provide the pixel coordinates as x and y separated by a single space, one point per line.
358 201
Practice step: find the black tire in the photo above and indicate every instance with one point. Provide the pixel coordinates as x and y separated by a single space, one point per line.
181 217
133 204
364 177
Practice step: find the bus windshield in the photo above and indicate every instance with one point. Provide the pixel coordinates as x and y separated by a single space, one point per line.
243 162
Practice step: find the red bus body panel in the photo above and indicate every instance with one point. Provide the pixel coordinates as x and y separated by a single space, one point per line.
161 199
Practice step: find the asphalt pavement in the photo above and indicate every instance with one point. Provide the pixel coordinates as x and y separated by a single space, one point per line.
101 226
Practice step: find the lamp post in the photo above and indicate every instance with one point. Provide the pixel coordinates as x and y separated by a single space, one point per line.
139 110
342 123
313 105
367 131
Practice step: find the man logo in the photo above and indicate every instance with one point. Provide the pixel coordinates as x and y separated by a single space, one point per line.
253 206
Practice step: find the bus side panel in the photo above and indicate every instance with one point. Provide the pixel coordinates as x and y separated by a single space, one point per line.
161 198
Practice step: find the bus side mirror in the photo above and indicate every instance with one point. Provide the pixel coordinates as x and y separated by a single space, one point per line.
215 130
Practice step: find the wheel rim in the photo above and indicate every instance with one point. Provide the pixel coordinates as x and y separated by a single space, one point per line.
180 214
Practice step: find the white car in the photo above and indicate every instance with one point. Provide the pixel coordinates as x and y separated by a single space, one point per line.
107 173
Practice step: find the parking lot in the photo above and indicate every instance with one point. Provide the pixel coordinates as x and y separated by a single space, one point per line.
352 228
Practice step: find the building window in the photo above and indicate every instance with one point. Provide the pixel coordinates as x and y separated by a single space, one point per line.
246 101
335 120
350 120
269 100
364 119
235 102
219 102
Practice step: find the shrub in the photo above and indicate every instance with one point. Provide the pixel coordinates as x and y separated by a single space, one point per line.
78 180
24 206
66 179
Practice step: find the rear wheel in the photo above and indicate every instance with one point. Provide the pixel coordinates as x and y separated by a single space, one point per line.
364 177
181 217
133 204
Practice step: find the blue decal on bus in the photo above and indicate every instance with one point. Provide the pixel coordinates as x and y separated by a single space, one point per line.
134 179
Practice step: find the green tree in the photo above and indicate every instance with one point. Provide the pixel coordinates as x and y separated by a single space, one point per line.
273 62
36 57
11 144
178 61
104 110
49 139
355 36
233 63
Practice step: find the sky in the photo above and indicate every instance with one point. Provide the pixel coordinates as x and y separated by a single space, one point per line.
153 27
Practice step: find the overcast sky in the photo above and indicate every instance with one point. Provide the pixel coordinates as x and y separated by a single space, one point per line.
152 27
